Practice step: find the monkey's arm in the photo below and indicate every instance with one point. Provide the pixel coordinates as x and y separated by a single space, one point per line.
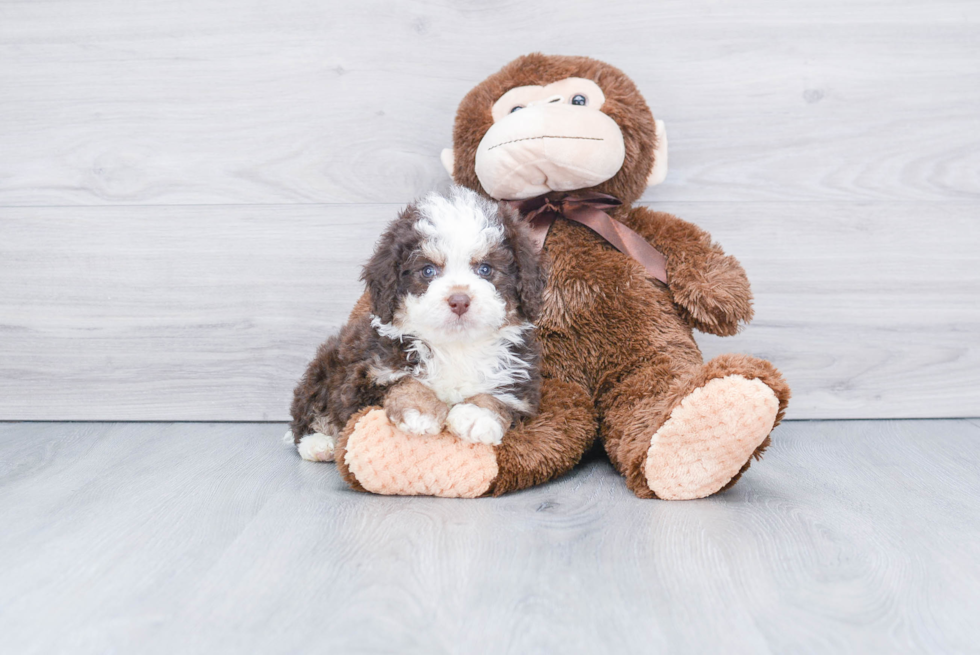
710 287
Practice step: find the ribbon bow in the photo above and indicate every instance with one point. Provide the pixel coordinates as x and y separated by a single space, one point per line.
589 210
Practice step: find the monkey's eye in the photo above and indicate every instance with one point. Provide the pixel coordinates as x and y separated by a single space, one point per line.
429 271
516 108
484 270
579 99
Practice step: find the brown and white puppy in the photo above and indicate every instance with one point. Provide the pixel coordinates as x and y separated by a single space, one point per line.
455 285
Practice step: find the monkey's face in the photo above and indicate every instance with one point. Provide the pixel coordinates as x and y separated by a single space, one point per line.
549 138
552 123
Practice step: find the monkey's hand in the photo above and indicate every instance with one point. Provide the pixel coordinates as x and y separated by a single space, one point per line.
714 294
710 287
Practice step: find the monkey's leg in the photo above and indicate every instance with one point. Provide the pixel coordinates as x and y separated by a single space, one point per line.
696 434
373 455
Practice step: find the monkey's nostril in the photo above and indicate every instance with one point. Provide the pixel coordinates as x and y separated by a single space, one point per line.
459 303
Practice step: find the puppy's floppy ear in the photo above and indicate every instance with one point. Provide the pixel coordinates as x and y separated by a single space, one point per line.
382 274
531 274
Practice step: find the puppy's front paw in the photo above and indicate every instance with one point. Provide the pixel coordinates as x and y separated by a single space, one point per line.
415 422
475 424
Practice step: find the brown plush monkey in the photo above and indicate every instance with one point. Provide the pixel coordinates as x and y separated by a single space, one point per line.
620 361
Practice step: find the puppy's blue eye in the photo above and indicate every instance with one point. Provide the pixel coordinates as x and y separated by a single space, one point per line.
579 100
516 108
429 271
484 270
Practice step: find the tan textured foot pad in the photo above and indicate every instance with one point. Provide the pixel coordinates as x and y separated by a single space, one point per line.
387 461
709 437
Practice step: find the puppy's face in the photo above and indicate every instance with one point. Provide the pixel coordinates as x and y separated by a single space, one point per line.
454 269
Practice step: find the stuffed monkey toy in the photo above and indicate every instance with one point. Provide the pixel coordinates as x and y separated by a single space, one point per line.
571 142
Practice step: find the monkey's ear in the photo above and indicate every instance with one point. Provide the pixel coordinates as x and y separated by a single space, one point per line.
659 171
448 160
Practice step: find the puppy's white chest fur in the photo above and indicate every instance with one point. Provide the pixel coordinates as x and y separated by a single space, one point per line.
457 370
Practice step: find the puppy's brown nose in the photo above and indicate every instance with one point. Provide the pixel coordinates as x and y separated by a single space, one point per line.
459 303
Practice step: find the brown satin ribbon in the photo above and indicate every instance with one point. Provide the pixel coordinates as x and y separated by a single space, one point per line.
589 210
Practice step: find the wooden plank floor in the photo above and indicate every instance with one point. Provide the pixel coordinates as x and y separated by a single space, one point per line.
860 536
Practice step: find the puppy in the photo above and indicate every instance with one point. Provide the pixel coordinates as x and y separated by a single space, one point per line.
455 285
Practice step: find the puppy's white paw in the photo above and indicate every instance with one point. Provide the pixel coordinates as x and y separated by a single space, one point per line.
475 424
317 447
415 422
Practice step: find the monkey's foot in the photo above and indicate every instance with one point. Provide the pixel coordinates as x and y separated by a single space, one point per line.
378 457
709 437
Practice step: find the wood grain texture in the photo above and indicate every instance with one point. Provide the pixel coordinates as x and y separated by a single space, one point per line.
211 313
187 189
849 537
190 313
189 102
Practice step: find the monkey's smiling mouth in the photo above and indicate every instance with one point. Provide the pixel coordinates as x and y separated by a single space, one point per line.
546 136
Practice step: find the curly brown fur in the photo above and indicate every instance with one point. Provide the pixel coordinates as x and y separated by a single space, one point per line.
526 272
371 358
551 443
618 352
340 379
606 328
709 287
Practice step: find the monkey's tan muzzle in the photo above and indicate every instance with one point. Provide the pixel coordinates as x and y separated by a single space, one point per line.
546 148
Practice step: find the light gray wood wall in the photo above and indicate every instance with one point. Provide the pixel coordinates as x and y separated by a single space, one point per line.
188 188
